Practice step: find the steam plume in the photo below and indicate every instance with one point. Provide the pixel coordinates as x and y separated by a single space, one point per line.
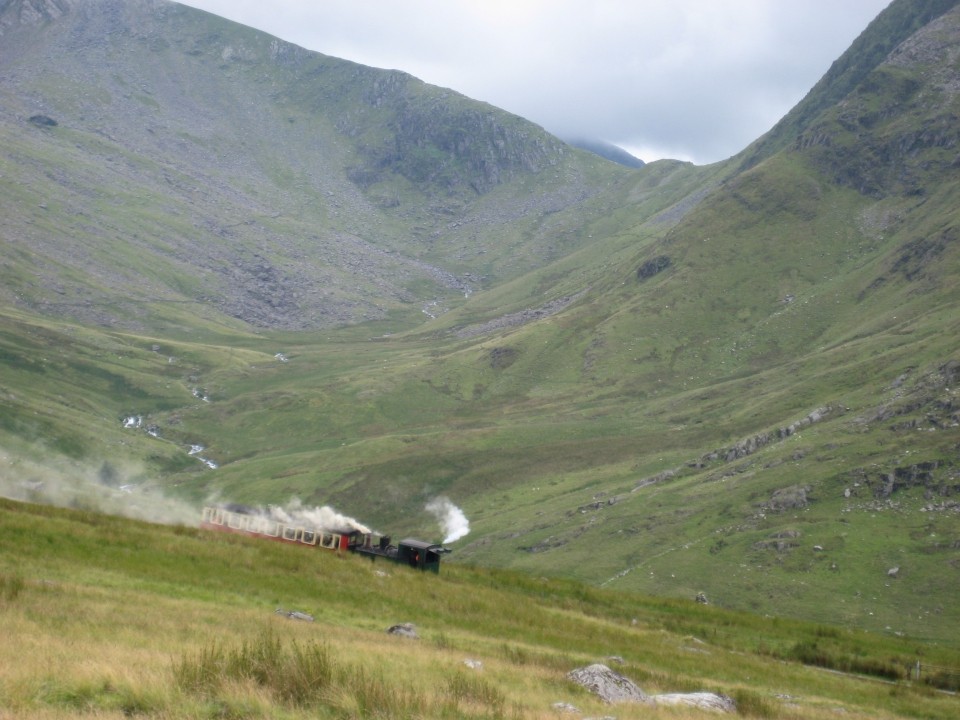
321 518
114 488
451 518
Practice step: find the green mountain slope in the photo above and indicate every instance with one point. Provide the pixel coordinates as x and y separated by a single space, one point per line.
738 380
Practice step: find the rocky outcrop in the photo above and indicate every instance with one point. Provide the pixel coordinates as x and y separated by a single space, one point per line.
652 267
438 138
795 497
743 448
518 318
32 12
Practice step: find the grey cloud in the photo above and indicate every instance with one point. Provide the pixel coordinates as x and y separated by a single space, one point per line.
696 79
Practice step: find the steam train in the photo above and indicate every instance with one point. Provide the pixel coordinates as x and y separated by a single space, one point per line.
248 521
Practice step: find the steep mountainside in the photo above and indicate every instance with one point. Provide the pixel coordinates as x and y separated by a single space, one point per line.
155 155
738 380
895 25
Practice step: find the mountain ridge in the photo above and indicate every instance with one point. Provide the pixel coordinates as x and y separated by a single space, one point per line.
313 150
894 25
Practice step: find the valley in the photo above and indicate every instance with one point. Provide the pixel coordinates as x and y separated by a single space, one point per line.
354 289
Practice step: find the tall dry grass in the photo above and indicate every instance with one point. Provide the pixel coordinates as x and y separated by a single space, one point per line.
181 624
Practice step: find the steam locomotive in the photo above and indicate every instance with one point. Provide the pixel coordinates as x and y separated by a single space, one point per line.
248 521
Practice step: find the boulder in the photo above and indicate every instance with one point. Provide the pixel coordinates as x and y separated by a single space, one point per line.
611 686
701 700
404 630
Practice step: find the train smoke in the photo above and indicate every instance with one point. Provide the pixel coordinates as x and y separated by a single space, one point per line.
321 518
113 488
451 518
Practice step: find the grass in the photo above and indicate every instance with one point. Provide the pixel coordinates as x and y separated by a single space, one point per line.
117 618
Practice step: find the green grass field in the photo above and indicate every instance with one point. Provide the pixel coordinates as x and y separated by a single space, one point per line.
107 617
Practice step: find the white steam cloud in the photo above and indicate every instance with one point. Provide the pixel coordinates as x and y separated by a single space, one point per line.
320 518
112 488
451 518
118 488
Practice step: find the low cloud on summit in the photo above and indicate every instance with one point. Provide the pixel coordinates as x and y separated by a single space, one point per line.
694 80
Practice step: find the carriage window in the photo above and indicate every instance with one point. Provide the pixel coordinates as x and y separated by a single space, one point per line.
309 537
290 533
235 521
270 528
330 540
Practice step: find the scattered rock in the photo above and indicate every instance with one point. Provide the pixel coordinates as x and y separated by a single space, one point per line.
294 614
794 497
473 664
404 630
611 686
702 700
43 121
565 707
893 572
702 598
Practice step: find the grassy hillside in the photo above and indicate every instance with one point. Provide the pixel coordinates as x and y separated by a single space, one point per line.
128 619
738 380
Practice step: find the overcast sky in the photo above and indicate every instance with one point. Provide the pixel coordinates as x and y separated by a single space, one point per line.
687 79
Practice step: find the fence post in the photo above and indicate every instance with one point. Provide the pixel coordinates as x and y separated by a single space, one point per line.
918 671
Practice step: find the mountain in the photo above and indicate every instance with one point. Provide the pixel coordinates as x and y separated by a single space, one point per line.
245 175
608 151
352 288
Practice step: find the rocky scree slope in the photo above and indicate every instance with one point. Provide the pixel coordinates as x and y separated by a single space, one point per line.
175 157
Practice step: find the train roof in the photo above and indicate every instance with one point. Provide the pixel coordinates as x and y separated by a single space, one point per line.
423 545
